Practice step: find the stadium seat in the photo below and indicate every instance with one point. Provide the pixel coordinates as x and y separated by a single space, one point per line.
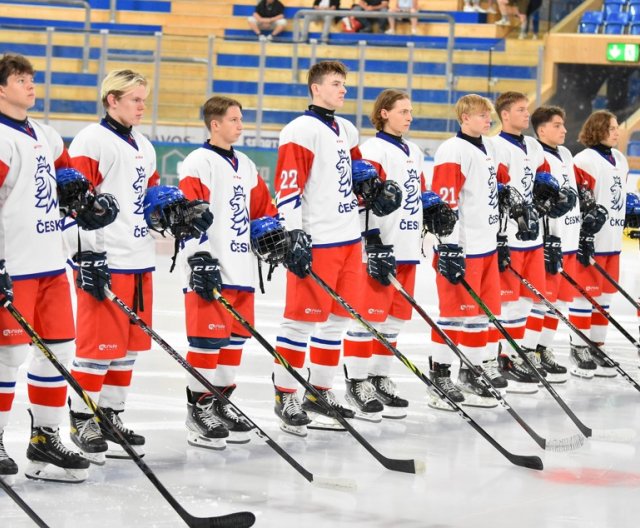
634 10
633 148
590 22
616 23
613 6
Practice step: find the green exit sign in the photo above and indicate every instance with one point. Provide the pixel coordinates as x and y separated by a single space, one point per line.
618 52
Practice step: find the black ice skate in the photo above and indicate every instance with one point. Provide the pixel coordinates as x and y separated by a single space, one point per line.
556 373
475 393
205 428
320 416
387 393
521 378
293 419
237 425
113 442
492 370
583 364
440 374
49 459
534 358
8 467
361 395
85 433
605 369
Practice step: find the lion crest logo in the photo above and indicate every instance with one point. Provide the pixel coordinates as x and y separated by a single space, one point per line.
412 201
240 215
527 184
138 188
493 187
344 173
616 194
46 194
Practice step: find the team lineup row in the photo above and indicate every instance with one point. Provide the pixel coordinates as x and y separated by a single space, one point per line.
347 218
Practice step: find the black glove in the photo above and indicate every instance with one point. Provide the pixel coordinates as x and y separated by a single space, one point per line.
585 249
298 259
100 213
388 199
93 273
566 201
527 220
504 253
552 254
593 219
205 275
380 262
6 284
200 216
451 263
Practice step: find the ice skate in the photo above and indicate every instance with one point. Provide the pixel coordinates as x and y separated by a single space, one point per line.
605 368
440 375
319 415
237 425
115 447
475 393
205 428
361 395
85 433
492 370
518 374
293 419
395 407
583 364
556 373
8 467
49 458
534 358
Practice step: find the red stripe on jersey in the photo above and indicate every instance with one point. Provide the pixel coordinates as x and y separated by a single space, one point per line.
154 180
47 396
545 167
230 357
118 378
4 170
473 339
89 168
503 174
261 201
294 357
380 350
202 360
423 182
193 189
447 182
292 169
324 356
89 382
584 179
359 349
597 319
6 400
64 160
355 153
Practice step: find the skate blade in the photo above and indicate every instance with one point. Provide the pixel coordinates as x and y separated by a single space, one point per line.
439 404
51 473
296 430
197 440
557 378
323 423
9 479
472 400
516 387
394 413
368 417
581 373
99 459
605 372
238 437
115 451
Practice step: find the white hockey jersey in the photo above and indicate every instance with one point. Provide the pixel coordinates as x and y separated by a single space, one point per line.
465 176
402 163
517 167
30 224
567 227
313 179
236 194
607 178
125 167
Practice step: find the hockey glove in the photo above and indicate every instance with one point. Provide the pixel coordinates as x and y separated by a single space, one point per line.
205 275
566 201
593 219
585 249
93 273
387 200
504 253
6 284
451 263
380 262
552 254
527 220
100 213
298 259
632 211
200 217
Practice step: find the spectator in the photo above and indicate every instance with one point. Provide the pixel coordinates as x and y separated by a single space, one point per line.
371 5
404 6
333 5
512 7
269 15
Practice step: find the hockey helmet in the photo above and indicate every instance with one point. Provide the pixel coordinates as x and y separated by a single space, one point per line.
165 208
269 240
632 213
545 192
437 217
74 191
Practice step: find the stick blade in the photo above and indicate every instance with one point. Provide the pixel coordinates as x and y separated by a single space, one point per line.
530 462
338 484
233 520
561 445
403 466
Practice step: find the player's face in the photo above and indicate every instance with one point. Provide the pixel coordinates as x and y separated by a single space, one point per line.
476 124
614 134
553 132
398 119
18 95
228 129
516 119
330 92
129 109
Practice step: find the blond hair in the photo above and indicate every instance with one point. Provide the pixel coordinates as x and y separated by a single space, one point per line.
120 82
472 103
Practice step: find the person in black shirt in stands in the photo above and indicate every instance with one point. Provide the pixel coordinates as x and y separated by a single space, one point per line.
269 15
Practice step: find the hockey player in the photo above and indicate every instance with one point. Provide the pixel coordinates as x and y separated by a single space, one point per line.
519 158
220 260
118 159
32 275
464 176
561 236
314 196
389 240
603 170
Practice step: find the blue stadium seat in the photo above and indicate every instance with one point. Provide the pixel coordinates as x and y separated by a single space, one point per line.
590 22
634 28
634 9
613 6
633 148
616 23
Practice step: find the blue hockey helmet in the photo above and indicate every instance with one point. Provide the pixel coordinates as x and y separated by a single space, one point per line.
269 240
632 212
74 190
437 217
163 206
546 191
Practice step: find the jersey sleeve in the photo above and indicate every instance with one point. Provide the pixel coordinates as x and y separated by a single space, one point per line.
86 159
194 185
261 201
448 179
